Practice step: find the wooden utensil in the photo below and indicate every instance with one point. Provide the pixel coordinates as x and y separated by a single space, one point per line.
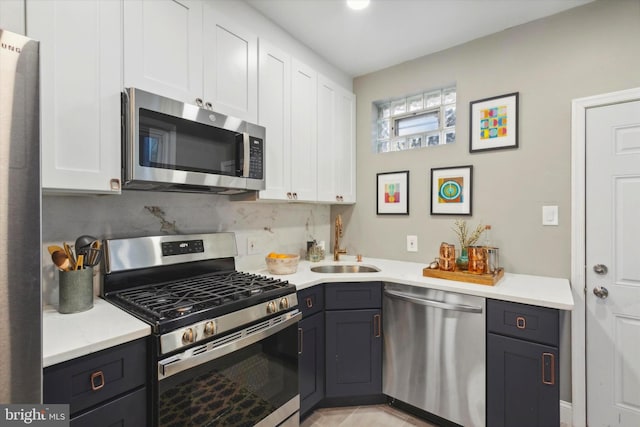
54 248
69 252
61 260
79 263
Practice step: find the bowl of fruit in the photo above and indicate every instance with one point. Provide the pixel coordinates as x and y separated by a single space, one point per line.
278 263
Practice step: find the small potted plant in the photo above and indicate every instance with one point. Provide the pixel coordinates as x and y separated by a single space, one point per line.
466 239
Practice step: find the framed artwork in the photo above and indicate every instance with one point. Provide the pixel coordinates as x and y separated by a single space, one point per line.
494 123
392 191
451 190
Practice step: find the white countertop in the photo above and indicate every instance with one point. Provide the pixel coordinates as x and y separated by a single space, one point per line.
535 290
67 336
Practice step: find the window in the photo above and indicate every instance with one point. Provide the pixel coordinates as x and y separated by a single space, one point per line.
415 121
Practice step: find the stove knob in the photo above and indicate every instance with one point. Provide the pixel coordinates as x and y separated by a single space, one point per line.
284 303
271 307
209 328
188 336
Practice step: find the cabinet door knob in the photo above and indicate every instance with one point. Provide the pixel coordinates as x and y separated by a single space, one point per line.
377 325
309 302
521 322
289 195
97 380
199 102
114 184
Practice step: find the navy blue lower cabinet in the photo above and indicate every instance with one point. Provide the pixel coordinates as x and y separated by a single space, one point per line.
311 361
353 352
523 366
106 388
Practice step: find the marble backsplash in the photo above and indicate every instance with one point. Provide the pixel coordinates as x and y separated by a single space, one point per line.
281 227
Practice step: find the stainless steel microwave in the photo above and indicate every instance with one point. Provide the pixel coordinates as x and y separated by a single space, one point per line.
169 145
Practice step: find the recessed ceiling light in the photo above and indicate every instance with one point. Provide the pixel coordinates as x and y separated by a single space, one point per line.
357 4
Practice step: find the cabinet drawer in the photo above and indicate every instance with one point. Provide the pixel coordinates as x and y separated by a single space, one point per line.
523 321
128 410
95 378
311 300
340 296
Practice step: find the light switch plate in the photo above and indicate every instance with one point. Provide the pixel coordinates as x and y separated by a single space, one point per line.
412 243
550 215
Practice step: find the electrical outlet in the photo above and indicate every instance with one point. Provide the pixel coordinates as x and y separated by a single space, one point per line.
253 246
412 243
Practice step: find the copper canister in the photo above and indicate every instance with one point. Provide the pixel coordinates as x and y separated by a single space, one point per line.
447 259
447 250
477 259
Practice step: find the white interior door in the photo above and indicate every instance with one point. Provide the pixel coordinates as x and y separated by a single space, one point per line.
613 265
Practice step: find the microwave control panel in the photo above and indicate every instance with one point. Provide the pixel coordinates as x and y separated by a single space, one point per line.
256 158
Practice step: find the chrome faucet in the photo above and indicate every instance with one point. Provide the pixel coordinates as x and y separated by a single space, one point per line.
336 241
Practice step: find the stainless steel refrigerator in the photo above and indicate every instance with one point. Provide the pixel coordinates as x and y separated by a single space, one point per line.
20 222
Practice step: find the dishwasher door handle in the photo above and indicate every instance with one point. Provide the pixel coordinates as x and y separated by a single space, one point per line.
432 303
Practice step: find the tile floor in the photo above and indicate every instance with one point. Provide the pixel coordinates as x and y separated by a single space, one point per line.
362 416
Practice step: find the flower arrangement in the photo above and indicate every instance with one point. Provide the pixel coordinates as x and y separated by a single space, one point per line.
462 232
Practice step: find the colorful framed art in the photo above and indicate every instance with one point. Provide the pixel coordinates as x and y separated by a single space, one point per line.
494 123
392 191
451 190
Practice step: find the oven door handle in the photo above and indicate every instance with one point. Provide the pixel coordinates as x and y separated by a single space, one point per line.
190 358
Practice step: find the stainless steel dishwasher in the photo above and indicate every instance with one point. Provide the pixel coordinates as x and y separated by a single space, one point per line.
434 352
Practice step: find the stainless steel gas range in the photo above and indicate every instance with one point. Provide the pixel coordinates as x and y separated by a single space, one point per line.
224 343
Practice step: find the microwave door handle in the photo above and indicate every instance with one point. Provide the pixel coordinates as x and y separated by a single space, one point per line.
246 154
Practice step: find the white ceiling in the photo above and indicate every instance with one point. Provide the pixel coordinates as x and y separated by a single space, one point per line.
389 32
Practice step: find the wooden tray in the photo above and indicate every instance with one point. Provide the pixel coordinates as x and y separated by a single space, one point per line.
464 276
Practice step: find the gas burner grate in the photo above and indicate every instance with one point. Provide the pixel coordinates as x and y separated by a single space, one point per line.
170 300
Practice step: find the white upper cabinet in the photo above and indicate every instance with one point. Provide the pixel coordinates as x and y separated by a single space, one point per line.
12 15
327 101
189 51
163 51
230 66
336 143
345 147
274 113
303 132
80 84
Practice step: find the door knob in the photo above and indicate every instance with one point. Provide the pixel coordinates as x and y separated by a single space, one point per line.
600 269
601 292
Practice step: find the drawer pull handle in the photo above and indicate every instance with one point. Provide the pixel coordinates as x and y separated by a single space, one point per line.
552 367
97 380
300 340
377 326
521 322
309 302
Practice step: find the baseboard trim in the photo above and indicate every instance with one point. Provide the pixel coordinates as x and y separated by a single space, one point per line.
566 414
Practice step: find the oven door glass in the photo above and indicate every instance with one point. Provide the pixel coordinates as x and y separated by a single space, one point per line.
238 389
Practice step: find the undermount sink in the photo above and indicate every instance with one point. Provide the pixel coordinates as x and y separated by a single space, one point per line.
345 268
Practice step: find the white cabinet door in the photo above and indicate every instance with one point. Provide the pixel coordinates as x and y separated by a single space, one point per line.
163 47
12 15
327 143
230 66
345 148
80 69
274 113
303 131
336 143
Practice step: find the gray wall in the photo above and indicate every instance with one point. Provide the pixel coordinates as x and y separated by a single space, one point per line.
585 51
